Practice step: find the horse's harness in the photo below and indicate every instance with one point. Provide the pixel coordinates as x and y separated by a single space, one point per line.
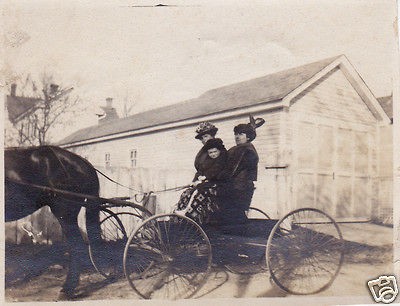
53 190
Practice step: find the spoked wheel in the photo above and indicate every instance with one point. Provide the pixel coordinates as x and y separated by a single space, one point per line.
305 251
256 213
107 252
168 256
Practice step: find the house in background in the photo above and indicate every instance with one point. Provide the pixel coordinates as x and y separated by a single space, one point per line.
108 112
319 147
17 127
17 108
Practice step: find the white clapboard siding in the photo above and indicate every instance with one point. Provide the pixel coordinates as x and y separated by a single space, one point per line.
175 148
165 159
333 97
332 136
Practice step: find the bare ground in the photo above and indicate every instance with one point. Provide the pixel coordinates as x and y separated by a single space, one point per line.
37 273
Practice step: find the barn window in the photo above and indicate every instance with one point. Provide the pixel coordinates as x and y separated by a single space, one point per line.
108 159
133 158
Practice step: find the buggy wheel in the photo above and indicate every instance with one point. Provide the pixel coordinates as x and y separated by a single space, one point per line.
167 256
107 255
305 251
108 227
256 213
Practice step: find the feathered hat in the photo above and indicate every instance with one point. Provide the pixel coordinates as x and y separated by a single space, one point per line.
206 128
249 128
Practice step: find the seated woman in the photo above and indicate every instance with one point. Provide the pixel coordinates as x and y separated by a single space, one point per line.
236 192
204 132
198 201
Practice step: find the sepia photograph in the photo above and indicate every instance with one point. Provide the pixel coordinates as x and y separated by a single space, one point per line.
198 151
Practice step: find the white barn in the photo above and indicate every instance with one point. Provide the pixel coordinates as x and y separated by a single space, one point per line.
318 148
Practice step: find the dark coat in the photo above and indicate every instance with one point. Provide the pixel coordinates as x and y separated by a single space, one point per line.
241 168
236 189
198 161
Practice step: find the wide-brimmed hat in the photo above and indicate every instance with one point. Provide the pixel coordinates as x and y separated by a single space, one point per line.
249 128
214 143
205 128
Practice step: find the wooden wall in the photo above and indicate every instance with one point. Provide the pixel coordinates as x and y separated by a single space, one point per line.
176 148
384 211
169 156
334 146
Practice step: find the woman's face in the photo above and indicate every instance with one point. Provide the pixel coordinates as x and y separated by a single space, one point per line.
241 138
213 152
204 138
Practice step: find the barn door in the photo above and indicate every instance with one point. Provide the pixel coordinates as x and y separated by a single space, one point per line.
352 174
331 169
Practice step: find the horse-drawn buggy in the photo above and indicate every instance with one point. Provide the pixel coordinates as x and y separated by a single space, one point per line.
169 255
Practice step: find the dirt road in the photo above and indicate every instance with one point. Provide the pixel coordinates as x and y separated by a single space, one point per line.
362 263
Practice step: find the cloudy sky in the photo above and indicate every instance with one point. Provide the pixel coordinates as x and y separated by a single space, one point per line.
162 55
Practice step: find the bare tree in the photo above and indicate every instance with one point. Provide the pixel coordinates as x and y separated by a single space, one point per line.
128 106
55 105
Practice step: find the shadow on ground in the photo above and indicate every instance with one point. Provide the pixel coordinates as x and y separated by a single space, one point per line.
26 262
361 253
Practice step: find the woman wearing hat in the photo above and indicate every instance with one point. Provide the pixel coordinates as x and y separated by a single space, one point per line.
240 173
205 131
198 202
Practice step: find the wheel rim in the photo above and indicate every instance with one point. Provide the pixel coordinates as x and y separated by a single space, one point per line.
167 257
256 213
305 251
107 254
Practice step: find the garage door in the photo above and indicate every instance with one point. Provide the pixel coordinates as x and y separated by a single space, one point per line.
332 166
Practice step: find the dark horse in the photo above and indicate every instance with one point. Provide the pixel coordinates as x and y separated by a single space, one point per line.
56 168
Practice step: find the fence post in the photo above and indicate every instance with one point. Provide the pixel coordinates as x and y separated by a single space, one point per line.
151 204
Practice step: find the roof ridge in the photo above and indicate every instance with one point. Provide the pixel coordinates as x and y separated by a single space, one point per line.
204 94
264 89
329 59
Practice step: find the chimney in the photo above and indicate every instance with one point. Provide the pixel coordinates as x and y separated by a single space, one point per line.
53 88
109 102
13 89
110 112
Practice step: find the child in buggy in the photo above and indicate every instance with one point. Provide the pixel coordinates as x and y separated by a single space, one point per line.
198 201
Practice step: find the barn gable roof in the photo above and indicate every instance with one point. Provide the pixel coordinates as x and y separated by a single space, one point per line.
18 107
387 105
354 78
257 91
